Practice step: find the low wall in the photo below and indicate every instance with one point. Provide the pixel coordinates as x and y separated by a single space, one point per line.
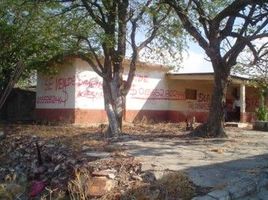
19 106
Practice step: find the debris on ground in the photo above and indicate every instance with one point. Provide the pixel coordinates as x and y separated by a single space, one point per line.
50 162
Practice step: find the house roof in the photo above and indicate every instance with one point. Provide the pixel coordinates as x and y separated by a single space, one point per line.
203 76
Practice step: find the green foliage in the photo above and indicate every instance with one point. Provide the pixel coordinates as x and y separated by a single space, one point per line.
30 35
262 113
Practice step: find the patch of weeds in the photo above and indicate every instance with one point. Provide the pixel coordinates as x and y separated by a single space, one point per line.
172 186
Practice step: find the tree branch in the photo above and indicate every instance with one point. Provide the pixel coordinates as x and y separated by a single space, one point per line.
234 8
92 51
187 23
92 14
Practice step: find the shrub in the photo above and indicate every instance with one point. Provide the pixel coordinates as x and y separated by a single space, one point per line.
261 113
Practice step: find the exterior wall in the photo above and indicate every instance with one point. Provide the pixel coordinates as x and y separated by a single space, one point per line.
183 109
89 103
75 95
55 95
148 97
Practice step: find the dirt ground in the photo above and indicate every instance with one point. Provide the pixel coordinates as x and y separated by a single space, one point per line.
49 158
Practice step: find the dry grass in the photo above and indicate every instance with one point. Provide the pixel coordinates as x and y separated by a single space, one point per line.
77 139
173 186
77 187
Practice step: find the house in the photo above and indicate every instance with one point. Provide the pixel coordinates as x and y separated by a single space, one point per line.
74 95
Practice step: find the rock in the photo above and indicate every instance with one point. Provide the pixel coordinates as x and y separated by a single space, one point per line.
97 154
98 186
220 194
57 167
85 148
136 177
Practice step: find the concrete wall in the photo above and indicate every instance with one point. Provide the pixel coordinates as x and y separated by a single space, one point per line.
19 106
183 108
55 95
75 95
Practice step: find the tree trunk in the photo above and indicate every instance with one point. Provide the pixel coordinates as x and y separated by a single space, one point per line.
114 106
214 127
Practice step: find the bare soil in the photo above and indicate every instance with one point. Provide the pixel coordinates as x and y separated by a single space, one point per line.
63 150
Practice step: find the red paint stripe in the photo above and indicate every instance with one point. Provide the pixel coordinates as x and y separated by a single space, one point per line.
144 98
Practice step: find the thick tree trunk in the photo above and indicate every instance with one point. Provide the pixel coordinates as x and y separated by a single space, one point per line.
214 127
114 106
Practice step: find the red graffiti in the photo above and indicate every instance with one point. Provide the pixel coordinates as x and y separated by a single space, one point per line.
90 83
90 94
63 83
156 94
141 78
52 99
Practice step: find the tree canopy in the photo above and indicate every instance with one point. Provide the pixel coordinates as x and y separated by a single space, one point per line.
224 29
29 38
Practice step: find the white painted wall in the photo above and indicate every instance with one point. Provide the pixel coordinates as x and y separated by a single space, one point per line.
78 86
148 91
88 87
58 91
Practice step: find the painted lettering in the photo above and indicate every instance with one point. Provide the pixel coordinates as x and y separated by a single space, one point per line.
63 83
52 99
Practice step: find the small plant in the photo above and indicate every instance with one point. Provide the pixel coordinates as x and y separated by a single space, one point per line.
261 113
77 187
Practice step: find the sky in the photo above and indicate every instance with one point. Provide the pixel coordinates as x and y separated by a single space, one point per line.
195 60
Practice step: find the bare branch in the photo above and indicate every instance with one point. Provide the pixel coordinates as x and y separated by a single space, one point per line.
92 14
100 10
202 17
234 8
156 26
186 22
92 51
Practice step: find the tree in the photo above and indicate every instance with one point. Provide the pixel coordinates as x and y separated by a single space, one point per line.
116 23
29 38
223 29
254 66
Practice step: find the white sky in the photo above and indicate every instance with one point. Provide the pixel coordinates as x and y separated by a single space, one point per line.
195 60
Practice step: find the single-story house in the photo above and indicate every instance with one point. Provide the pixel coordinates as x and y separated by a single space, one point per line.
74 95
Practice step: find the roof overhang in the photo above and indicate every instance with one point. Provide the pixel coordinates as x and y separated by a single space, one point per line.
204 77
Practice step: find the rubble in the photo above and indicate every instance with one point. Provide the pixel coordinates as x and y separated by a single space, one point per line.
41 160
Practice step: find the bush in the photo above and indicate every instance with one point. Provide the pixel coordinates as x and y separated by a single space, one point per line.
261 113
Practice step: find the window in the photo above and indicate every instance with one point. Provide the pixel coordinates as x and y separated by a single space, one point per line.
190 94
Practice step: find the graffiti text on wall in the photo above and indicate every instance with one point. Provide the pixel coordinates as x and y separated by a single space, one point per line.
155 94
202 102
90 87
52 99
